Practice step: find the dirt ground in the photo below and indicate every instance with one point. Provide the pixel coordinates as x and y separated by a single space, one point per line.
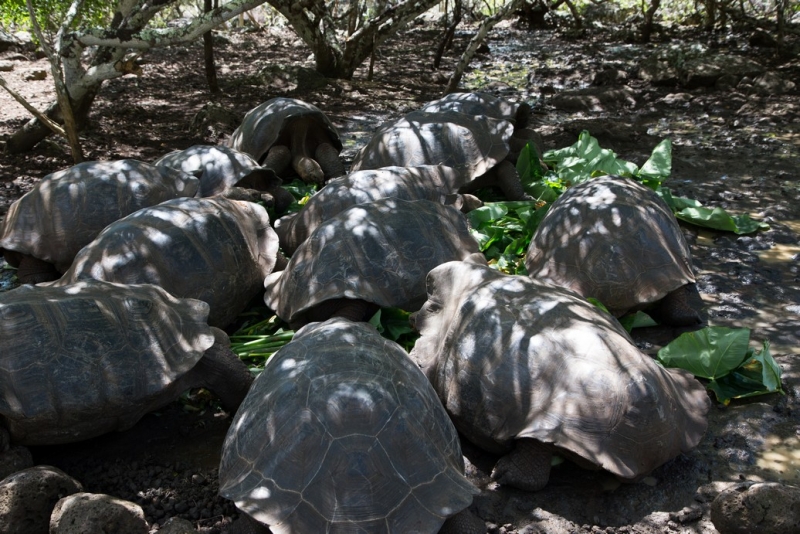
733 147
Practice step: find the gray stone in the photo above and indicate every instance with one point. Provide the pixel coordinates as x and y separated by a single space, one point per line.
760 508
595 99
289 78
177 525
87 513
658 72
705 71
15 459
27 498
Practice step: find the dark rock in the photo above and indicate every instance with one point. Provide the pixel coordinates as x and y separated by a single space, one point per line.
760 508
28 497
82 513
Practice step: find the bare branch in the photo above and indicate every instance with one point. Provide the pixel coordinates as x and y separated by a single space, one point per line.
35 112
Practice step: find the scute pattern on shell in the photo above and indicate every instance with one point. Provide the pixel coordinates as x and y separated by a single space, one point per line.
474 104
378 251
67 209
512 357
427 182
264 124
342 430
613 239
82 360
219 168
213 249
470 144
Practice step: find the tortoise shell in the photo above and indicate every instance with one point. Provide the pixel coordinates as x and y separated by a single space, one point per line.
474 104
343 432
470 144
93 357
378 252
613 239
213 249
67 209
427 182
264 125
511 357
219 168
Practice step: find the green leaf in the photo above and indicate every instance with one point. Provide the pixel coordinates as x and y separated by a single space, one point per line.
770 370
719 219
637 320
760 375
529 167
711 352
659 166
488 213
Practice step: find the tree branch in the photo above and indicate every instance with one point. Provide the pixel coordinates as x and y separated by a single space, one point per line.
35 112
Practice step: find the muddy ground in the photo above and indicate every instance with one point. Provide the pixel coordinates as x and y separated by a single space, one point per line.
735 145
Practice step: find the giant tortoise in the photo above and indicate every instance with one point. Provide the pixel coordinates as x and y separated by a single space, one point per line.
369 256
526 369
46 227
427 182
213 249
286 133
613 239
93 357
477 146
341 432
225 171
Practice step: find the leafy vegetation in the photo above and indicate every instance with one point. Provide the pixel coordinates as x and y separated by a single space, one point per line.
722 356
504 229
51 13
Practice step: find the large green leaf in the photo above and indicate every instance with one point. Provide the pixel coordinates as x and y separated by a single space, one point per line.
711 352
656 169
759 375
719 219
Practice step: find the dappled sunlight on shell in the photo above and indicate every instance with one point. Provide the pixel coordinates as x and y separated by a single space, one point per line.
511 357
67 209
213 249
614 240
341 427
219 168
378 251
407 183
264 125
470 144
100 355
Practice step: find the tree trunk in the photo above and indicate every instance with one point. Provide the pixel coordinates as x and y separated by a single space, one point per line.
476 41
649 15
208 53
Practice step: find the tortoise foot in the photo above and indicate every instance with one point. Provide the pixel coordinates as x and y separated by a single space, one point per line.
526 467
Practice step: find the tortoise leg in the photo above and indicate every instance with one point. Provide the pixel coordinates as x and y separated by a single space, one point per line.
300 143
278 159
508 180
328 158
526 467
682 307
33 270
464 522
222 372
